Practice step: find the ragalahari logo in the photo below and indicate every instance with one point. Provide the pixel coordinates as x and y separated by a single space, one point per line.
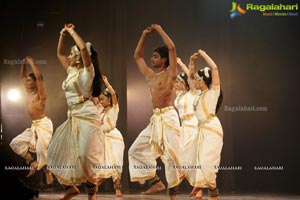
236 10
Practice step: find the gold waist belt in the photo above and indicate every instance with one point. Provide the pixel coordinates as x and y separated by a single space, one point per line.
158 111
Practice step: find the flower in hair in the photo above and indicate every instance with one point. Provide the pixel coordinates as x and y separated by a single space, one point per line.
206 74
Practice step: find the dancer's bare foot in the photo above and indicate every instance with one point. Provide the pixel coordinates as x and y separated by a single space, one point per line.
195 191
33 168
92 197
118 188
157 187
71 192
119 193
199 195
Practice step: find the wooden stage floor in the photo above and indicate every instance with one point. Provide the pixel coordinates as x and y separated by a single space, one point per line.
56 196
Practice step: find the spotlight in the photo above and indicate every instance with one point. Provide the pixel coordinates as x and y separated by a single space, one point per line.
13 95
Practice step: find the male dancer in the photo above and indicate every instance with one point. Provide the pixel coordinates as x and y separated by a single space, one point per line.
161 137
36 138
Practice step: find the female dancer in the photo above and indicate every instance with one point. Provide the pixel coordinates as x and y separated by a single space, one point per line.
114 143
185 95
76 149
208 144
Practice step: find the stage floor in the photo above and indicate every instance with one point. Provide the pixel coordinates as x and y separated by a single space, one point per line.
55 196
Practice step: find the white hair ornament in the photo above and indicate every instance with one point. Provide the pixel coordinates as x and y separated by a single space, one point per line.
206 69
88 46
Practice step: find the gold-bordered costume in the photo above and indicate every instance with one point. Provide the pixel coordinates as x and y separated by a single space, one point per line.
189 129
34 139
76 151
205 153
114 143
159 139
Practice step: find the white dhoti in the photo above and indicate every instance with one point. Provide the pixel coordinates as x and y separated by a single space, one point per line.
159 139
76 151
35 139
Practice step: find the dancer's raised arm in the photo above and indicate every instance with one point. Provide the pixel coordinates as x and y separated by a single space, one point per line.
139 54
61 49
111 90
86 59
212 66
39 80
171 46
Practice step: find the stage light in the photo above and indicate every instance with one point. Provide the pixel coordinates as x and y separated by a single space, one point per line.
13 95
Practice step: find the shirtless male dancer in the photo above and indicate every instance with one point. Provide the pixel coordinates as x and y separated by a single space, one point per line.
36 138
161 137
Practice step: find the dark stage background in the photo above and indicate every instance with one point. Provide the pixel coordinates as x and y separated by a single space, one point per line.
256 55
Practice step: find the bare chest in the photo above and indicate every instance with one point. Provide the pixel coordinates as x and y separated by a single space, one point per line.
33 99
160 84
